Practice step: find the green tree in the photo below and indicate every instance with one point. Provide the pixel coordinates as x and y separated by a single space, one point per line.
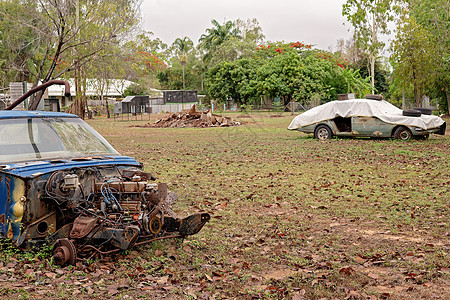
172 76
232 80
18 45
381 75
135 89
414 54
216 36
240 46
369 19
142 59
355 83
183 45
70 33
283 70
433 16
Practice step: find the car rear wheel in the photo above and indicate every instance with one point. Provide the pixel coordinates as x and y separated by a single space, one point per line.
424 111
411 113
403 133
323 132
374 97
423 137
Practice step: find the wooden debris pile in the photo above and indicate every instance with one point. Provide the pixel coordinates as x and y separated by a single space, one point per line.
193 118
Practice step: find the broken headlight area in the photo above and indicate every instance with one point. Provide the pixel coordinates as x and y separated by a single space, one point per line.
100 210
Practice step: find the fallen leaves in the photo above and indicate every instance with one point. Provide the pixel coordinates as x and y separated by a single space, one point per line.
373 276
346 271
360 260
279 274
112 289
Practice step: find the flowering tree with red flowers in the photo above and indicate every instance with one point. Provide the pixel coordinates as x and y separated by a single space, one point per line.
292 71
333 59
150 61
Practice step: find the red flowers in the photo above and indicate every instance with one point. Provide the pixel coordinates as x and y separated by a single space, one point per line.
329 57
299 45
279 50
152 61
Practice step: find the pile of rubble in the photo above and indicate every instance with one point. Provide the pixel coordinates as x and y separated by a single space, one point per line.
193 118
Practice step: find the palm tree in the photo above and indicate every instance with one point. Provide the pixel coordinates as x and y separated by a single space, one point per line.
183 45
217 35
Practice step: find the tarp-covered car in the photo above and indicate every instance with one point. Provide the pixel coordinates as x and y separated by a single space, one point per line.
366 118
62 182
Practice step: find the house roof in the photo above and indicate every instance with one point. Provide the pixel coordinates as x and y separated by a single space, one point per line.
128 99
115 88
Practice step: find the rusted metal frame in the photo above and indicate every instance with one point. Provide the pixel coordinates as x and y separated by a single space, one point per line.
136 244
158 238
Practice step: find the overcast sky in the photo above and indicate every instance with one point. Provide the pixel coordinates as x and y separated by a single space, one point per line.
318 22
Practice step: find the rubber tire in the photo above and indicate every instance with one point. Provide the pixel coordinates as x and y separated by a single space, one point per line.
374 97
411 113
403 133
424 111
423 137
323 132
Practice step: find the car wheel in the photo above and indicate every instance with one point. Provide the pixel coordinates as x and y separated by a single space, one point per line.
403 133
423 137
374 97
411 113
424 111
323 132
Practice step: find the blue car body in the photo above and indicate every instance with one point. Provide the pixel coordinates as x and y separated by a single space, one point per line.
61 182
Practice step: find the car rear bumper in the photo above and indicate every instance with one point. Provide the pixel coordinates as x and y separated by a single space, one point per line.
442 129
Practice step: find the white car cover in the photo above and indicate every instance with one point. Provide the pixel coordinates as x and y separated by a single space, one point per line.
363 108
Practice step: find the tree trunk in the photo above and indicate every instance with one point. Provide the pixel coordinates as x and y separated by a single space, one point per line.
107 108
403 100
35 99
78 105
372 72
448 102
83 92
372 54
184 86
102 97
416 89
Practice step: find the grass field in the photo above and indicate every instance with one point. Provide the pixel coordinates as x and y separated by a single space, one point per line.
292 217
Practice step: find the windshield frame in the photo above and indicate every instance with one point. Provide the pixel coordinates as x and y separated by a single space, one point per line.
48 138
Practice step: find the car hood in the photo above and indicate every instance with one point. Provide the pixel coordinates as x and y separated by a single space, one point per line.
383 110
36 168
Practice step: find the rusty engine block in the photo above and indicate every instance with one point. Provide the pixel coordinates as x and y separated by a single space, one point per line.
101 210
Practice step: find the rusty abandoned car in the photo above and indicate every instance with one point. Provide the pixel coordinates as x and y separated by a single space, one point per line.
372 117
62 182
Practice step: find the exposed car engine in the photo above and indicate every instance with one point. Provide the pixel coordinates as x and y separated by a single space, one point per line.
100 210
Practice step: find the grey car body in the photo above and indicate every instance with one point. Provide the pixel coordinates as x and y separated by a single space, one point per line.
365 118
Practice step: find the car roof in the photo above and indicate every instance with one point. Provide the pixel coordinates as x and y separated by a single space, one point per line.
16 114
